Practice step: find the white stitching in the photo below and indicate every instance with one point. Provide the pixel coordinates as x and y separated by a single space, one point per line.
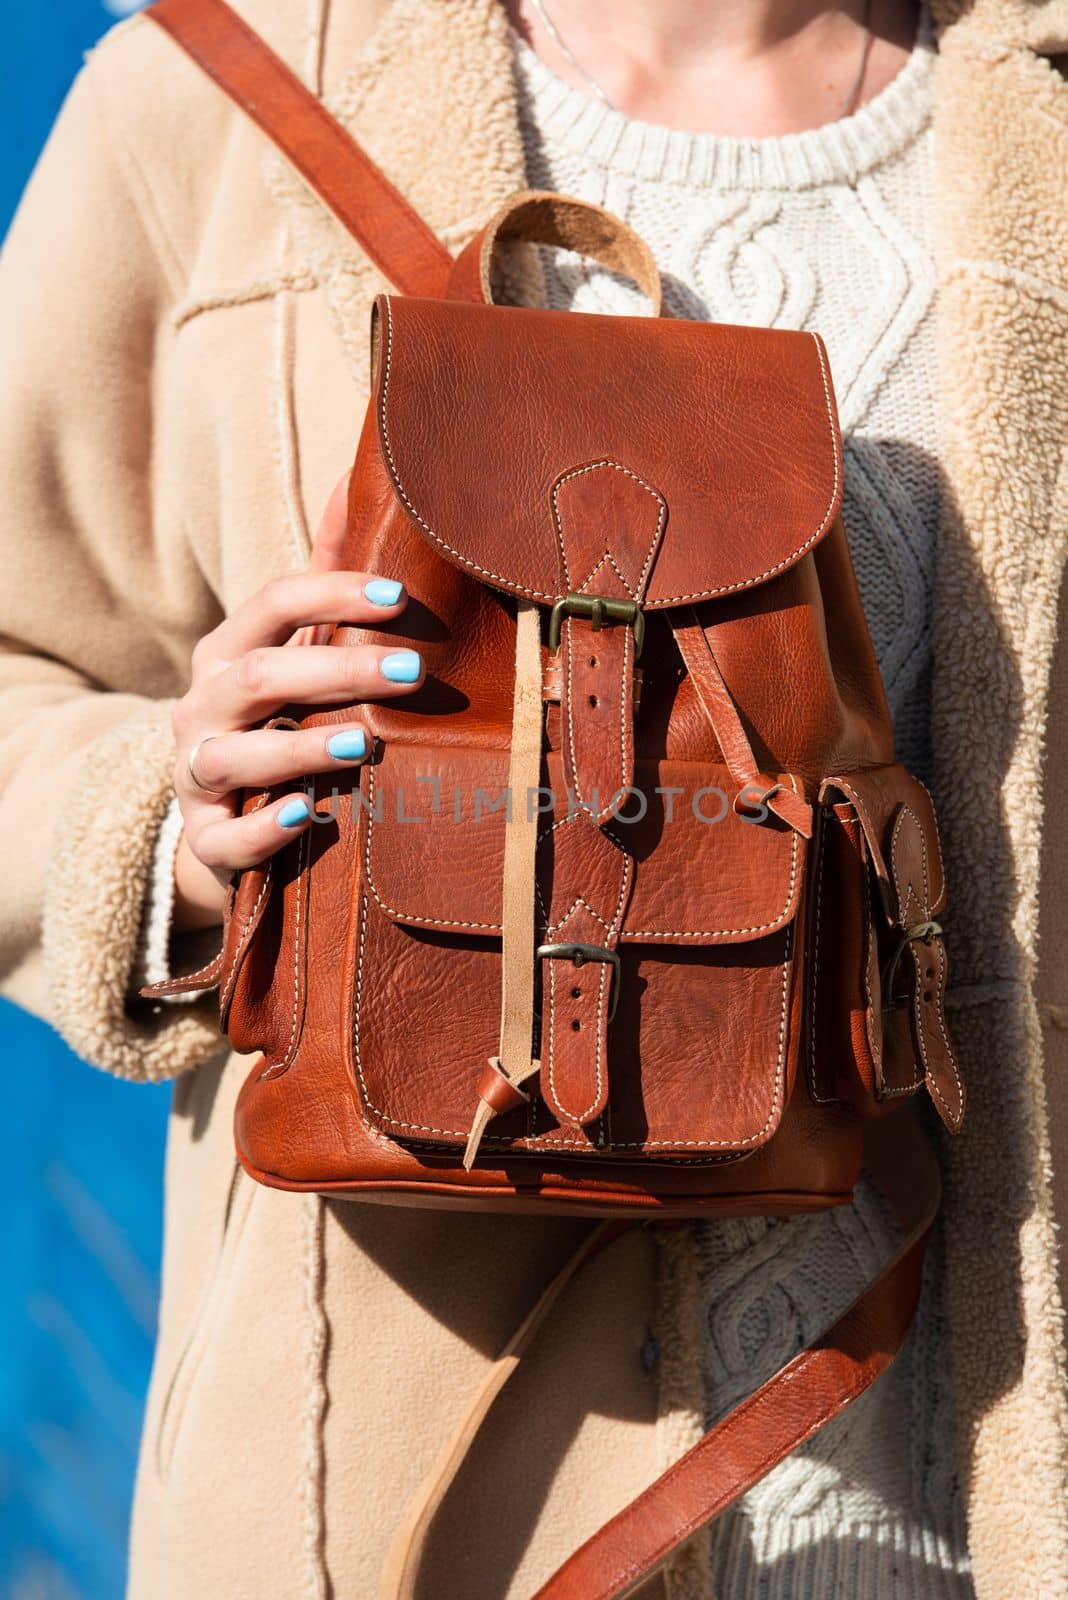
231 976
611 562
595 466
610 929
625 719
541 594
246 933
281 1066
938 843
895 842
865 818
932 1082
547 1143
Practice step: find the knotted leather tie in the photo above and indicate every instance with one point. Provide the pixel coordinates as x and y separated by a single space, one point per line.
500 1087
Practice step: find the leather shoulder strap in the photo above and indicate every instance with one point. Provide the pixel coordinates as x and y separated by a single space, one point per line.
385 226
810 1391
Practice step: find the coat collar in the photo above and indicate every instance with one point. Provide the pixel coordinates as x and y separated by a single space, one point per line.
1038 25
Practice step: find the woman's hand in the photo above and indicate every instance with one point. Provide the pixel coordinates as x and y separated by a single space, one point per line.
243 673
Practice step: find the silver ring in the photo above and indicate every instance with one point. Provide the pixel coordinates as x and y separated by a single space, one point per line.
191 763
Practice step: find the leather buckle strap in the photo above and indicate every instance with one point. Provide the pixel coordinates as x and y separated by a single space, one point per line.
920 930
578 955
599 609
609 523
585 883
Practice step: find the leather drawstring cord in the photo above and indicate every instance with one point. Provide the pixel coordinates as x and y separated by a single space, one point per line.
312 1510
500 1086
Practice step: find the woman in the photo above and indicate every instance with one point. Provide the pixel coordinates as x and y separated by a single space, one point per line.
186 353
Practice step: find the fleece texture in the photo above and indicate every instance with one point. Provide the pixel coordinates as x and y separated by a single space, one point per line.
185 351
1003 126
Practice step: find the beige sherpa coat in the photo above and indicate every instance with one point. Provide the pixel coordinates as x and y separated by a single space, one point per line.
183 331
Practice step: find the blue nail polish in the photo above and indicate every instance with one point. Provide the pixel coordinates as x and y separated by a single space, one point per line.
293 813
348 746
402 666
383 591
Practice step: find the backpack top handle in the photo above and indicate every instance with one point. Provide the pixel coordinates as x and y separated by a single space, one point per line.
538 216
367 204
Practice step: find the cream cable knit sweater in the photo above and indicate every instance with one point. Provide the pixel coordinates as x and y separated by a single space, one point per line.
830 230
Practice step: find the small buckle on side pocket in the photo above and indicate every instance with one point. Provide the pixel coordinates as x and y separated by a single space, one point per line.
919 930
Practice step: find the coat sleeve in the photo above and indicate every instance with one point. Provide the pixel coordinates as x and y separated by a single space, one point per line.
98 605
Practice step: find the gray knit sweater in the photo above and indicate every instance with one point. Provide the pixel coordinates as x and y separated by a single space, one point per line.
829 230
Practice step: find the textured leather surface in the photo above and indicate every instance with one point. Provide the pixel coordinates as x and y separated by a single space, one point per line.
687 469
735 429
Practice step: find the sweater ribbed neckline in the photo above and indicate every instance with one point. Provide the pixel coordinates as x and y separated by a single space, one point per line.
837 152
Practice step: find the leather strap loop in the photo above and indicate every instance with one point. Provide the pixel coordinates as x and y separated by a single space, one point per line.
540 217
514 1063
717 702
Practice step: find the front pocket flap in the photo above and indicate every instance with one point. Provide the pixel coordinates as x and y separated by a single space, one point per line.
483 411
434 850
887 800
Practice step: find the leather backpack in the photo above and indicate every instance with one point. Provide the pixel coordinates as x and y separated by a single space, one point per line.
631 913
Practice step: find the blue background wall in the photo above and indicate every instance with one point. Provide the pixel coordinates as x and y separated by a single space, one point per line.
80 1154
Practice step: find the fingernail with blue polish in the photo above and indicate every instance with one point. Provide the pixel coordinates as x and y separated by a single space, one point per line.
293 813
383 591
348 746
402 666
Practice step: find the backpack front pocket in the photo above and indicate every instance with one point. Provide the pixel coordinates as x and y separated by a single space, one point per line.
696 1038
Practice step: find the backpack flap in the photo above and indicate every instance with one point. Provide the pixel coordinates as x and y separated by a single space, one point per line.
604 467
542 451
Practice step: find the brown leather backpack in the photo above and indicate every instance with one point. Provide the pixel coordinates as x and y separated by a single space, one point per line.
631 913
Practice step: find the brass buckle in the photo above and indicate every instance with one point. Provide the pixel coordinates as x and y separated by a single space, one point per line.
599 610
919 930
578 955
